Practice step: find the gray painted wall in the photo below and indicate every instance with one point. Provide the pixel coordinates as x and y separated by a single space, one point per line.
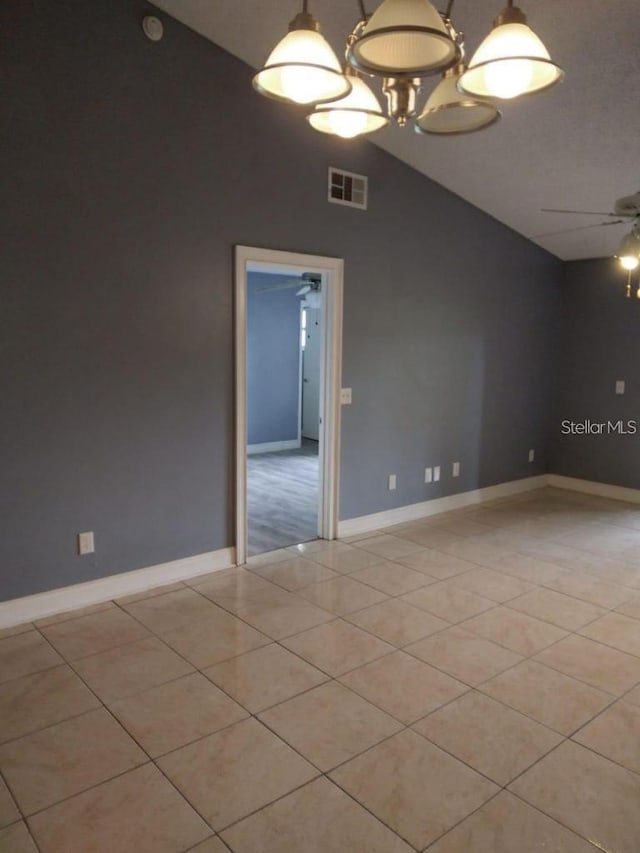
130 171
273 360
600 343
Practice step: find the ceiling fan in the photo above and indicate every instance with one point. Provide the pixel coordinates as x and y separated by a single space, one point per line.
308 282
625 209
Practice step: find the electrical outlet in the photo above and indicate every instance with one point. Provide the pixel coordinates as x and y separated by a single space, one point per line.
346 397
436 474
532 455
455 469
392 482
428 475
86 544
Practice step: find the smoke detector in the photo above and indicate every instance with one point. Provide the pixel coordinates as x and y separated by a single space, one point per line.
152 27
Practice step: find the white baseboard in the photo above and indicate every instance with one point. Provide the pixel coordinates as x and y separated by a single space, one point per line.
273 446
414 512
591 487
54 601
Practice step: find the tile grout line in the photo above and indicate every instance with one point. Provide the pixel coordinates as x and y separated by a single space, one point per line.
154 762
566 826
150 760
332 678
23 822
278 642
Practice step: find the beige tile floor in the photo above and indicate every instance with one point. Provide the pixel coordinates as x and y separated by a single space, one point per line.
469 683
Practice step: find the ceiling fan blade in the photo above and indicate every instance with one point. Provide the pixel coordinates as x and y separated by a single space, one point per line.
284 286
580 228
581 212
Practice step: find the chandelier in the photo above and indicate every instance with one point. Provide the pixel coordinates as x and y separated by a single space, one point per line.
401 43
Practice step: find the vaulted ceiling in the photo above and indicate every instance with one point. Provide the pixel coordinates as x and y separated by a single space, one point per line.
575 146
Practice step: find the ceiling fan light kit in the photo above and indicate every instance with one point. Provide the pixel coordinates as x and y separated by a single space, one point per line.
629 251
624 209
401 43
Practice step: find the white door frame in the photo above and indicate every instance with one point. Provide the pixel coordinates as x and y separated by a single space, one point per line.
300 377
249 259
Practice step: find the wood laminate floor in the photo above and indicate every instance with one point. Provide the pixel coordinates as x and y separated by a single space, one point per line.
282 497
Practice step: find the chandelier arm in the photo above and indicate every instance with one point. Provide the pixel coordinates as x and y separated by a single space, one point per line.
363 11
447 14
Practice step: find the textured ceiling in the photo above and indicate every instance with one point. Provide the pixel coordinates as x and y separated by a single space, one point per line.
575 146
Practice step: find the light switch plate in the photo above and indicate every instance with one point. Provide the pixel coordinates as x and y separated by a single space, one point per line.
455 469
428 475
620 386
532 455
392 482
345 396
436 474
86 544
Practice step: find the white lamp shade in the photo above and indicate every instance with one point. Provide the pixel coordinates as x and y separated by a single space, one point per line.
511 61
629 252
449 112
354 115
404 38
304 69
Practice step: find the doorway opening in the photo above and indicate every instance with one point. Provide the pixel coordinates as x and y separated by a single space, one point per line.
288 357
284 322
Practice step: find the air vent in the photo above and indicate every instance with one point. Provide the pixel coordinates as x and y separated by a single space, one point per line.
347 188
